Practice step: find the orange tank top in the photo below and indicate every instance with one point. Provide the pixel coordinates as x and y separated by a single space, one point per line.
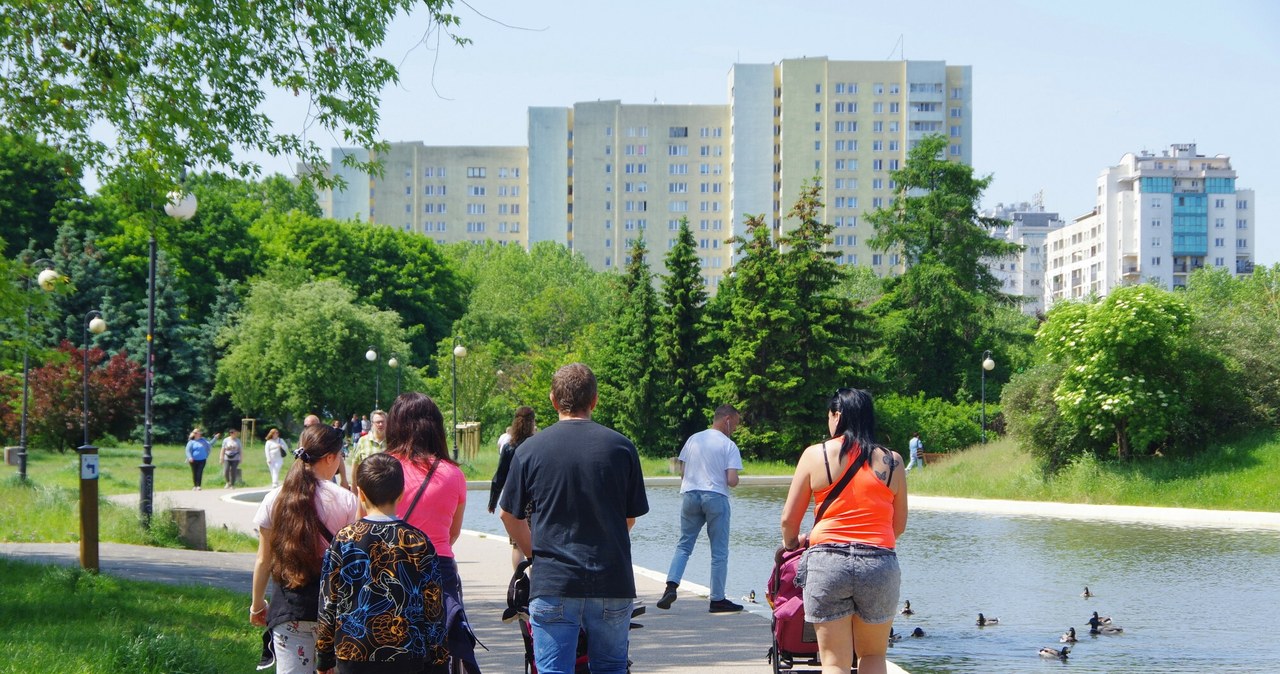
861 513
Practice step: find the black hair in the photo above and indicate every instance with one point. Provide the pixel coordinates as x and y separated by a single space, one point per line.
857 422
381 479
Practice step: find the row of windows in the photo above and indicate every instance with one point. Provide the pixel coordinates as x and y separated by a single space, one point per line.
672 132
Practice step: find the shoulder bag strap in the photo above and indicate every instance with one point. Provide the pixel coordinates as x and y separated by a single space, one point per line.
421 488
844 481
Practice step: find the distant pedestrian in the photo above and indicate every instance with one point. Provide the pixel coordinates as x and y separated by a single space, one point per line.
275 450
368 445
522 427
709 465
198 451
365 424
503 440
230 458
916 447
341 475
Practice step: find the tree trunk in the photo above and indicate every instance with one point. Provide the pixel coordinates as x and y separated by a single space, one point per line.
1122 442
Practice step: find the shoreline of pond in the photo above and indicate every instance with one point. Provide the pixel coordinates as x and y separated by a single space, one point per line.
1164 515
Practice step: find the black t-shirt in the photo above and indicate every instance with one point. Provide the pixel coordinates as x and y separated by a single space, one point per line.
582 481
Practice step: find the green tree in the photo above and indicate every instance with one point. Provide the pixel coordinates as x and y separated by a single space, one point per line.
751 369
293 350
36 183
387 268
630 388
680 324
931 317
827 330
177 85
1124 364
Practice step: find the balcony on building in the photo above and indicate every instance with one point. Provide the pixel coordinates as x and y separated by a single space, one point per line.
1244 266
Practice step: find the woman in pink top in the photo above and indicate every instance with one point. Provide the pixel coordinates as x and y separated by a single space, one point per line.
850 573
434 499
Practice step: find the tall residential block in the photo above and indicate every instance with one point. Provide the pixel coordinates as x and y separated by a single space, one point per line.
1157 218
1022 275
450 194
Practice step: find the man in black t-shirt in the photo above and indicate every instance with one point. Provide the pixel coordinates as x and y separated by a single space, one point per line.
580 487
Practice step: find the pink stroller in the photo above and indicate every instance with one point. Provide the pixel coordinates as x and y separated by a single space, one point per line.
795 644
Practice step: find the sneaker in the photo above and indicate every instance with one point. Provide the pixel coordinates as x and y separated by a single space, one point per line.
668 597
724 606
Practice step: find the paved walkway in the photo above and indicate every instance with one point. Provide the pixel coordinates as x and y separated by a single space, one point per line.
684 639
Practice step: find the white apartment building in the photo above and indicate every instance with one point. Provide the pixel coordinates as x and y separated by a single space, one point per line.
450 194
1157 218
1022 275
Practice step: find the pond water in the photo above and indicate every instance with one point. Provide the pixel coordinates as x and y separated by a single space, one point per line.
1189 599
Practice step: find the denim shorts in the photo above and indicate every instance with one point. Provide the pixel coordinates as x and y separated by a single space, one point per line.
842 579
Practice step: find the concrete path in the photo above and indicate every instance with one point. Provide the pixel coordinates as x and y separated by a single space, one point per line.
684 639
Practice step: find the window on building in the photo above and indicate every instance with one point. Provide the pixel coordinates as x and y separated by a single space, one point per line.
678 132
475 190
877 108
476 172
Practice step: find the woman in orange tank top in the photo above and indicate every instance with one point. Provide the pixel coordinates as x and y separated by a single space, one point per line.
850 571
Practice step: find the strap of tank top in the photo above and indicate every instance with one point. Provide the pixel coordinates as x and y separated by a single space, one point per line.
421 488
839 486
826 462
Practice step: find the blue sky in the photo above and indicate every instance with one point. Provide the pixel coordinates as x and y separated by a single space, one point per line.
1061 89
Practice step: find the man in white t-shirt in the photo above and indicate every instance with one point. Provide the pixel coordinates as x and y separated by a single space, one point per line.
709 465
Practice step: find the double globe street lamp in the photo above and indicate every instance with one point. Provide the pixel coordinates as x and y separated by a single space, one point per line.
45 280
459 351
95 324
372 356
394 363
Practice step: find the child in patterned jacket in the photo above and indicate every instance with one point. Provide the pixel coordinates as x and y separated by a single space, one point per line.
381 605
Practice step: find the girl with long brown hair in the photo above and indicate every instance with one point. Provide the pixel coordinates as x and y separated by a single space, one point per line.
295 523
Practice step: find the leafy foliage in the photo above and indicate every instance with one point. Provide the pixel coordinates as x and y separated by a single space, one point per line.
186 84
37 184
294 350
943 426
54 418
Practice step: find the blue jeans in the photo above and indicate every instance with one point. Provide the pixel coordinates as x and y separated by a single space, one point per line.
556 622
696 509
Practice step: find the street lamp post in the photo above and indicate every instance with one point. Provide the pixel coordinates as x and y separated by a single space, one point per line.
180 206
93 323
987 366
372 356
459 351
45 279
394 364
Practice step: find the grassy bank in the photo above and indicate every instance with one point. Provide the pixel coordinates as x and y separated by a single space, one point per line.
1234 475
57 619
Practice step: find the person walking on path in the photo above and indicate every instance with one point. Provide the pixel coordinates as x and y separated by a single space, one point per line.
849 573
198 451
916 447
709 465
522 427
371 443
435 491
380 590
573 493
230 456
295 524
275 449
341 474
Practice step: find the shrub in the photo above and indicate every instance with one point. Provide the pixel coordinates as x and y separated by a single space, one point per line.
943 426
1034 419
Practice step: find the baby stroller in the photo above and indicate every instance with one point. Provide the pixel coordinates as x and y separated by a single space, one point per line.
795 644
518 610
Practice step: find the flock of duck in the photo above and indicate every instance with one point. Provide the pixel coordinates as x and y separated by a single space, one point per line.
1098 625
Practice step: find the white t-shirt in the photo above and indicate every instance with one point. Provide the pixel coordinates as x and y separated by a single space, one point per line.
337 507
706 456
914 446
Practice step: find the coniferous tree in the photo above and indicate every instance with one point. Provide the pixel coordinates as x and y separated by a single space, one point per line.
679 353
827 330
630 393
751 369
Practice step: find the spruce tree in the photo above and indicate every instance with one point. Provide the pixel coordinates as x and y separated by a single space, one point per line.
679 354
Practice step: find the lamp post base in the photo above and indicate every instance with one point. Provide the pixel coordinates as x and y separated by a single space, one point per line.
146 491
22 463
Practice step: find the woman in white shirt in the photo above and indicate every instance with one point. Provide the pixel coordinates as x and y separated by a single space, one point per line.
275 449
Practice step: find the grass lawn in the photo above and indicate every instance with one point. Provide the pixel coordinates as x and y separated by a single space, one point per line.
59 619
1238 474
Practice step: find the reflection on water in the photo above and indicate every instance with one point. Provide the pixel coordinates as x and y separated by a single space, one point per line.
1190 599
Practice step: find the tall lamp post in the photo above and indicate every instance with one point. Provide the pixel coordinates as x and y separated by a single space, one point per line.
987 366
45 279
93 323
459 351
180 206
372 356
394 364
